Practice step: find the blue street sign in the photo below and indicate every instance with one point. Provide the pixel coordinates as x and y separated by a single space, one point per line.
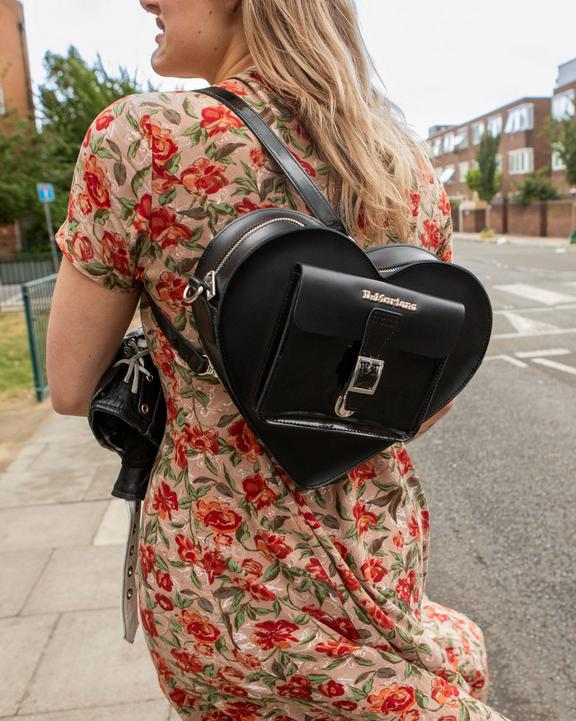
45 192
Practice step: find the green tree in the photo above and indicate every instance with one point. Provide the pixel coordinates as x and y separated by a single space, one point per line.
486 179
73 94
562 136
537 186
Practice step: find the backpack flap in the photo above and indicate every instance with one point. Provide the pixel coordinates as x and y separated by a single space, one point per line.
358 352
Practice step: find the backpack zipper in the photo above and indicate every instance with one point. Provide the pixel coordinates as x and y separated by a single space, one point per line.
210 277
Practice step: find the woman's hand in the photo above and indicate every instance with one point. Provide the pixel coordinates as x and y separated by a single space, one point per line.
434 419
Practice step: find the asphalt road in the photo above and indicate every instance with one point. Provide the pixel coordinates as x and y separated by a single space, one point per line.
500 476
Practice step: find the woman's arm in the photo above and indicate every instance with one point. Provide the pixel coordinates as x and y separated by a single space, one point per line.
86 326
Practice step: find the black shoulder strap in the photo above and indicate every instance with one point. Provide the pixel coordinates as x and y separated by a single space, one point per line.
302 182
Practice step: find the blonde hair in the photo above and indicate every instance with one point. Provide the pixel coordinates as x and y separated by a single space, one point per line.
312 54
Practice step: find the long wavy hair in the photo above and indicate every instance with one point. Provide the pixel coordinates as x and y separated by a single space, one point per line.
311 52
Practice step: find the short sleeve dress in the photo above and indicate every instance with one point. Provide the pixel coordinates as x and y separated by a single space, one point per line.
259 601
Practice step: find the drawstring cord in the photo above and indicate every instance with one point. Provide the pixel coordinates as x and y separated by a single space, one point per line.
135 366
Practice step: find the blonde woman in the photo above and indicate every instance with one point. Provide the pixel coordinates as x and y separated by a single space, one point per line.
258 601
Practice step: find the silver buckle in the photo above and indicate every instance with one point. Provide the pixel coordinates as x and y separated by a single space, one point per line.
364 379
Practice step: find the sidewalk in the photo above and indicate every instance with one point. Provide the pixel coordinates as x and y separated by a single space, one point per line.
517 240
63 657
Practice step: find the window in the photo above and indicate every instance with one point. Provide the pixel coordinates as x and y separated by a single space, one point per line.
2 101
447 174
521 161
463 169
461 139
557 162
495 125
477 132
520 118
563 104
499 162
449 141
437 147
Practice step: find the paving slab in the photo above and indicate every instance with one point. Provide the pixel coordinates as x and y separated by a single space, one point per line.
115 524
19 571
105 475
78 579
147 711
87 663
51 525
22 641
44 482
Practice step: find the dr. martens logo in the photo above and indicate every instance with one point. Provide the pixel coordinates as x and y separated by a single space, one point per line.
383 298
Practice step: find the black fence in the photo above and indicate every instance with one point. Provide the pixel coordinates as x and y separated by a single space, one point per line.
17 270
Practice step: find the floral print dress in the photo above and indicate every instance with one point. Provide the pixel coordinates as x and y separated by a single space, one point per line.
257 600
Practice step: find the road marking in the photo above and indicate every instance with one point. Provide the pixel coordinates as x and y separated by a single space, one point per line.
559 331
508 358
536 309
548 297
527 325
553 364
542 353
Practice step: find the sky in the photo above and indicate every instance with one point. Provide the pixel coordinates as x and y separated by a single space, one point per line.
441 62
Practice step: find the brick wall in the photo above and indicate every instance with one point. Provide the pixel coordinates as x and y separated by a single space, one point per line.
14 67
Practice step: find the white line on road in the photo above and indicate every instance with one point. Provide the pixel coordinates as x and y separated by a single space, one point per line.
527 325
508 358
542 353
537 309
559 331
540 295
553 364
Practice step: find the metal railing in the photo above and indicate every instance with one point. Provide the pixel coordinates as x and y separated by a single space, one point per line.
16 270
37 299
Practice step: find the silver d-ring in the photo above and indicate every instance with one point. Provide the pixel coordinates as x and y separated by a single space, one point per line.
188 299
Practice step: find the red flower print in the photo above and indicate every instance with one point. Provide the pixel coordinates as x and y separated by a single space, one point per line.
246 659
373 570
393 699
342 550
448 718
412 715
350 580
274 634
163 580
83 247
316 570
415 203
186 661
162 179
104 120
166 230
218 119
164 602
87 138
181 698
204 177
252 567
444 693
244 440
425 521
258 157
297 687
203 440
149 622
307 167
336 649
257 491
188 552
403 458
247 206
160 140
240 710
381 618
364 519
444 203
114 253
346 705
363 472
197 626
430 238
256 590
161 666
311 519
233 85
272 544
405 585
213 563
147 559
476 682
218 516
398 539
180 440
331 688
413 527
170 287
96 181
84 203
165 501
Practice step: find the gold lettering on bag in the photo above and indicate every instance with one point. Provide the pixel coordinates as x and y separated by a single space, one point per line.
383 298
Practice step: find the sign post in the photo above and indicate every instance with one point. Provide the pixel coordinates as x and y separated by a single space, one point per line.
46 195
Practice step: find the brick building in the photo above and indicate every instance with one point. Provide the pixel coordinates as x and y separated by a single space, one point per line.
15 90
15 85
524 146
